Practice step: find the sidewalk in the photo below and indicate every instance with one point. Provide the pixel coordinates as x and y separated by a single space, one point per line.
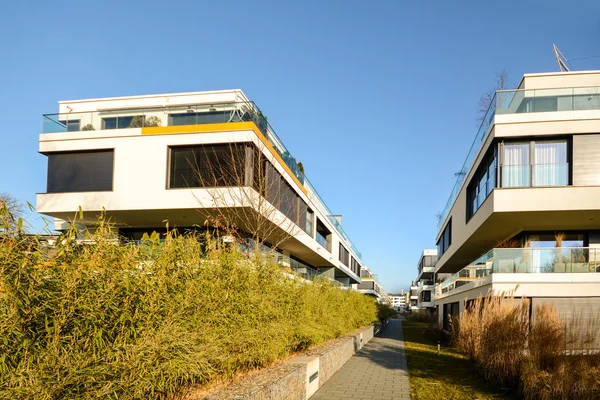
377 372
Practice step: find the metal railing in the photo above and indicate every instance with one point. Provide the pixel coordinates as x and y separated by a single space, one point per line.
187 115
526 260
516 102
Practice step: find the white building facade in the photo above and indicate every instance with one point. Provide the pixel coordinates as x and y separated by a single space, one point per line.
145 160
524 214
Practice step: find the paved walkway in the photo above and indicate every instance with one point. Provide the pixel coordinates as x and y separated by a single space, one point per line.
378 371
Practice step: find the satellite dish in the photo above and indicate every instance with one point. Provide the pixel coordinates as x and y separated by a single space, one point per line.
560 59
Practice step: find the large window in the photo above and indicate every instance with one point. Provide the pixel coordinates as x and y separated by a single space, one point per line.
117 122
539 163
86 171
323 235
482 183
445 239
344 256
234 165
71 125
208 165
193 118
354 265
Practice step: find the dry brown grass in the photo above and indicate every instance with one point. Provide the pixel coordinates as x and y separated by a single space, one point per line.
546 357
491 333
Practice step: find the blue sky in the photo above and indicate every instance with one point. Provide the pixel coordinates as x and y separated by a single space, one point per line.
377 99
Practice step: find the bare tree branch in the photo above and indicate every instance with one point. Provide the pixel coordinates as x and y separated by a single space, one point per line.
11 211
247 197
486 99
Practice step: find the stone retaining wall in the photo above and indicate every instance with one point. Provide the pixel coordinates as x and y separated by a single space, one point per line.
300 377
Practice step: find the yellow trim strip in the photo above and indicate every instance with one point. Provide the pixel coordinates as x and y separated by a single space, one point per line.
223 127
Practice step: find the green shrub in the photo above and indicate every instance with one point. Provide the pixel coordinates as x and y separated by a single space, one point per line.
384 311
145 321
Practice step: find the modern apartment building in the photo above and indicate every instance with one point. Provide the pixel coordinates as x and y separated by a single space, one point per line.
412 301
189 158
425 280
370 284
524 214
398 301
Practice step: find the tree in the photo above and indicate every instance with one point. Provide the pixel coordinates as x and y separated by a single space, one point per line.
486 99
11 213
246 196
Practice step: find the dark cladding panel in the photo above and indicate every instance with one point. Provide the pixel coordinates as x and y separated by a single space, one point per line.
89 171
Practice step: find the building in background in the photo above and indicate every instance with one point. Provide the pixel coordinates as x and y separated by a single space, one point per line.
398 301
187 158
524 214
370 285
413 298
425 280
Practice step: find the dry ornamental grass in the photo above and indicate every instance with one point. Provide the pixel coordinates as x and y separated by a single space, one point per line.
545 357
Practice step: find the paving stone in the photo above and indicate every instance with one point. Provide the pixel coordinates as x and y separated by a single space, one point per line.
377 371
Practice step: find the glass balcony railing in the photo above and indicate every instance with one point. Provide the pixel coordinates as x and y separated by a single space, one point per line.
298 268
322 241
526 260
187 115
517 102
536 175
365 274
424 283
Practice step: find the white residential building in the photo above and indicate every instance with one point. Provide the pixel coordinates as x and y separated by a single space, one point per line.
370 285
524 214
425 280
398 301
183 158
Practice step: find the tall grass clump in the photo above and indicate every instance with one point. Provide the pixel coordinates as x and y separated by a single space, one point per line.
104 319
491 332
545 357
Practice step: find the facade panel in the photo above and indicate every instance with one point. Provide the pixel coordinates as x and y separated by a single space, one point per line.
82 171
586 160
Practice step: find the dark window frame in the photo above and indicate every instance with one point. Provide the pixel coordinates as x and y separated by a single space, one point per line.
344 255
445 240
247 164
85 176
531 141
71 125
482 175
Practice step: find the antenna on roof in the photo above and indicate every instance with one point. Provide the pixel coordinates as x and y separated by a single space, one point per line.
560 59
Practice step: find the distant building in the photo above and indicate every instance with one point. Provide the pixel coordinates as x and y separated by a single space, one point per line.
370 285
398 301
425 281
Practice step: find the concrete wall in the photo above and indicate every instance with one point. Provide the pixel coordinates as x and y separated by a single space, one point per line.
298 378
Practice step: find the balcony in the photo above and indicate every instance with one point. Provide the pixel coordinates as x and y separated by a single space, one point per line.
425 272
525 260
366 274
425 284
296 267
370 288
517 102
426 304
188 115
